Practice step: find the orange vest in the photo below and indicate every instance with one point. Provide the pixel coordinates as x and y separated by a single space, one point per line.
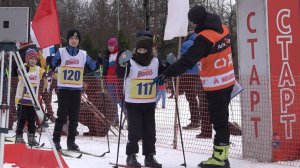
216 70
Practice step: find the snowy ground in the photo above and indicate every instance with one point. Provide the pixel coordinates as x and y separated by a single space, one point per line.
170 158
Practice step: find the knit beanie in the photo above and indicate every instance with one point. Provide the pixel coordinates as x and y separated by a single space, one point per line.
31 53
74 33
144 33
113 42
197 14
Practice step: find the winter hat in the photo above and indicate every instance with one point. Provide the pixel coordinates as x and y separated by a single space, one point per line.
143 59
144 33
144 42
197 14
31 53
112 42
74 33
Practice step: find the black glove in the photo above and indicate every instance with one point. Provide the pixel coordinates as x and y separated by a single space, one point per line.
49 60
99 60
160 79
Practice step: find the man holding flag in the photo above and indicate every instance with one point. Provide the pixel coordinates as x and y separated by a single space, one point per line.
212 50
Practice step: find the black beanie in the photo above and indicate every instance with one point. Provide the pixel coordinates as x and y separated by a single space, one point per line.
73 32
197 14
144 33
144 42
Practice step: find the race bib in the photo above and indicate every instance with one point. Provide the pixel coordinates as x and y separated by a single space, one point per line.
142 89
71 75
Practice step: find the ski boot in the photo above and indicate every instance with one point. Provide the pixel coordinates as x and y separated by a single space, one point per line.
150 161
31 140
132 162
57 146
219 158
72 146
19 138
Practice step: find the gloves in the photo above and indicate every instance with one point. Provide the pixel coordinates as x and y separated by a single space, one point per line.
160 79
49 60
99 61
125 57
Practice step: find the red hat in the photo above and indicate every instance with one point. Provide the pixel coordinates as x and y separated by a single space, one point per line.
112 42
31 53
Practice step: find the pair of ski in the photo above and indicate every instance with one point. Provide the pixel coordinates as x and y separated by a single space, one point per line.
72 153
123 165
77 153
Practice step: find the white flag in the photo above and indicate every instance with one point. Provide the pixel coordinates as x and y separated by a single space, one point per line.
177 20
33 37
49 51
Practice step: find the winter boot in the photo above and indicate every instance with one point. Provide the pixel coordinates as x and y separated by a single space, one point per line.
203 136
132 162
219 158
191 126
19 138
150 161
72 145
31 140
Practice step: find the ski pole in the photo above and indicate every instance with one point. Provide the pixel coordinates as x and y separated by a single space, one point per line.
180 131
120 124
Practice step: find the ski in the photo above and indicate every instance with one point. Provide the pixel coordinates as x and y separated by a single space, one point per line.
123 165
63 152
42 145
88 153
67 154
38 146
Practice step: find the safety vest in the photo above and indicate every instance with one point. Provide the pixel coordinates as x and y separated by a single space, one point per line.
216 70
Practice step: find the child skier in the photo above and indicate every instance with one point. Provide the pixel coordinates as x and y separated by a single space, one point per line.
25 108
71 62
140 103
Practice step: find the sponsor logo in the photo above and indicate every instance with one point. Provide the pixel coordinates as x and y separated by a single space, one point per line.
146 72
224 44
32 78
72 62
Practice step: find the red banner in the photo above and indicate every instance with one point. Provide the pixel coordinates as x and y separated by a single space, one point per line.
284 45
45 24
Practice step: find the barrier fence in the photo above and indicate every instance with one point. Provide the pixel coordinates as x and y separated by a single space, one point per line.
101 109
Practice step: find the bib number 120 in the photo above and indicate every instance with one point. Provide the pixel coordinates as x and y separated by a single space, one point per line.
71 75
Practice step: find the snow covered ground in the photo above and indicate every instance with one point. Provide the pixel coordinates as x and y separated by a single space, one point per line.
170 158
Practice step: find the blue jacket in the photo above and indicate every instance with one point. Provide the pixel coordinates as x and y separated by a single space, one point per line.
184 48
90 64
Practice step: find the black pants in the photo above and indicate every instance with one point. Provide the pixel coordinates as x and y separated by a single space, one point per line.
218 102
141 126
68 106
26 113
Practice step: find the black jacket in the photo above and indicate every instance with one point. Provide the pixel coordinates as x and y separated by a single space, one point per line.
200 49
120 70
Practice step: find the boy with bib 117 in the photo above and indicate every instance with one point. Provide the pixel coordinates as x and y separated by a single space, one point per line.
140 102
